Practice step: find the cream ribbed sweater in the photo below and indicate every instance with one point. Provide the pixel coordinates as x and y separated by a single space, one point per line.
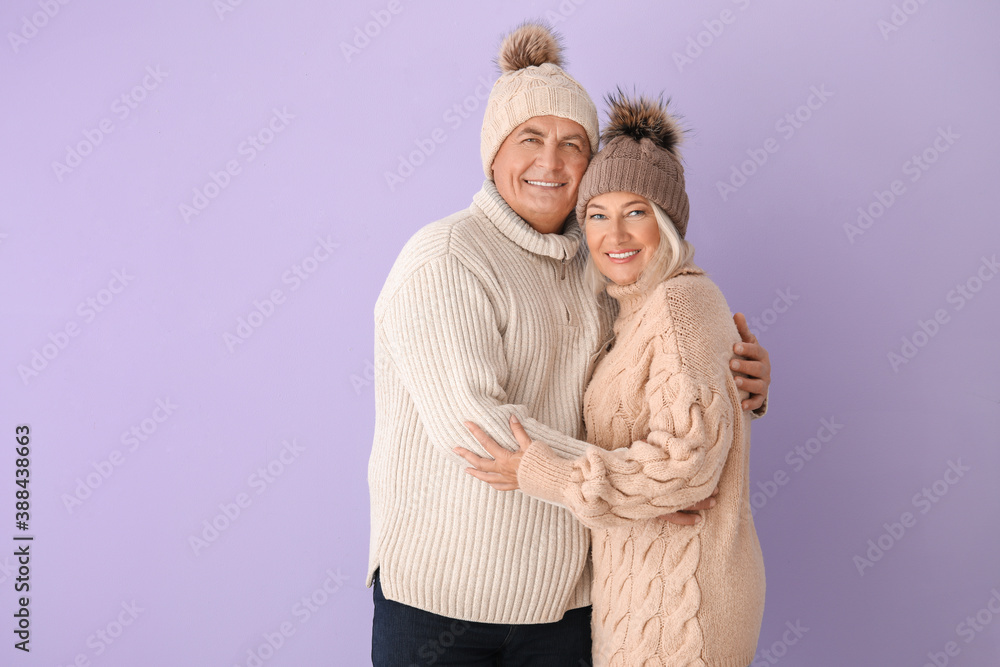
664 413
481 317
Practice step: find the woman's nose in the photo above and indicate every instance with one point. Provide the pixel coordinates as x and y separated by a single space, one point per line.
618 233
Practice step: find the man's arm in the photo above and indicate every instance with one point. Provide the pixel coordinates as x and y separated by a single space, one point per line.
441 333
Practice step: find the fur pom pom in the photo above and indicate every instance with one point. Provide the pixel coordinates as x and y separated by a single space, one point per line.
531 44
639 118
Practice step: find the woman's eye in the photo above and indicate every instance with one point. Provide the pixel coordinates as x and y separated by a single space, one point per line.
597 216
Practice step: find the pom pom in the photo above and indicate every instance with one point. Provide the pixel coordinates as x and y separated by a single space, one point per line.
640 118
530 45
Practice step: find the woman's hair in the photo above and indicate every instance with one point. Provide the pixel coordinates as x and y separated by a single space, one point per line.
672 253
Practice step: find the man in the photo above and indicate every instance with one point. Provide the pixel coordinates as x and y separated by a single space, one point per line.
485 314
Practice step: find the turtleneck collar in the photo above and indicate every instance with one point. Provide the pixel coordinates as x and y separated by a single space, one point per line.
631 297
563 246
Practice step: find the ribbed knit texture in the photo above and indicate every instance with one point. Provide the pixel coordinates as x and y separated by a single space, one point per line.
544 90
481 317
663 412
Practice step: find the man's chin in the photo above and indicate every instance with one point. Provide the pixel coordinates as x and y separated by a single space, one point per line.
553 210
541 220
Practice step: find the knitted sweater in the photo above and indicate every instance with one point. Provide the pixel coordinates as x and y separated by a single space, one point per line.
480 317
663 412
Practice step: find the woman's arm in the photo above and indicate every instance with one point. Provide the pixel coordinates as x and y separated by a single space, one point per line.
691 430
692 409
500 472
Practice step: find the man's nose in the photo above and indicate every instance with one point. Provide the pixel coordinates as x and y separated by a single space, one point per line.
550 157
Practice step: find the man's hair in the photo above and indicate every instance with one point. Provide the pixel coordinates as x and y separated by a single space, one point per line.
671 254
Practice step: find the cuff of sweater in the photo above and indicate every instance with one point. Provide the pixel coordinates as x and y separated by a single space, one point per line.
761 411
544 474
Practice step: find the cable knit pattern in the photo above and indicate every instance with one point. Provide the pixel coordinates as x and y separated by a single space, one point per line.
663 412
481 317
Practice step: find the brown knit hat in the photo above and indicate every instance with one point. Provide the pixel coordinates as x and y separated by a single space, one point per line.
532 83
640 156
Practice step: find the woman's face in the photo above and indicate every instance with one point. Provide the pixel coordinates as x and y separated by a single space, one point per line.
622 235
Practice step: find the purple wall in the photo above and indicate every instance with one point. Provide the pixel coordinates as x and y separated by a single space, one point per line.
197 220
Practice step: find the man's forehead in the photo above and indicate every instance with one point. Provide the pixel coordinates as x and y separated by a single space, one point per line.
544 125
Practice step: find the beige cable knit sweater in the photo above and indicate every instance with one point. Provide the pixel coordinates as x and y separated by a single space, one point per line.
664 413
480 317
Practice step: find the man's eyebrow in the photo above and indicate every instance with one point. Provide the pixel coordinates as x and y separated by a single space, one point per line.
532 131
573 137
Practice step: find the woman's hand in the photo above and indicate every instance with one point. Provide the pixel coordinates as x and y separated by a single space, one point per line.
500 472
753 371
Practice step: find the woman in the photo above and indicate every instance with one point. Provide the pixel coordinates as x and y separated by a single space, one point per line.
663 413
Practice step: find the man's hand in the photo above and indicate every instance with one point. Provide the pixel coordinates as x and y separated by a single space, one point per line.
689 516
753 370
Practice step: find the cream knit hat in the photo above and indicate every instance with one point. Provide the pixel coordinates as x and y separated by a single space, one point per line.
532 83
639 155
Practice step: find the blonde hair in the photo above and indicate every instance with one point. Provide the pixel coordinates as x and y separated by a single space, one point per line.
672 253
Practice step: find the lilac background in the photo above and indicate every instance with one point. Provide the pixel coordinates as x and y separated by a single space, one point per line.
304 374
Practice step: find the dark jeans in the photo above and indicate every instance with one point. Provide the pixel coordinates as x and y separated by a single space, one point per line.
404 636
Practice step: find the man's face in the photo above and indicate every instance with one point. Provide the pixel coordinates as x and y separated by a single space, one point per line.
538 170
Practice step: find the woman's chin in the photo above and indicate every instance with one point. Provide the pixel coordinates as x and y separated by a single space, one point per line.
622 281
621 275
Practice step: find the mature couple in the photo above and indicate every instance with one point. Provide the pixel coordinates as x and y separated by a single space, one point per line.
495 326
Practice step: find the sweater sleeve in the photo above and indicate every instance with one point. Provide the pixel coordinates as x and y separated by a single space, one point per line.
678 464
441 333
